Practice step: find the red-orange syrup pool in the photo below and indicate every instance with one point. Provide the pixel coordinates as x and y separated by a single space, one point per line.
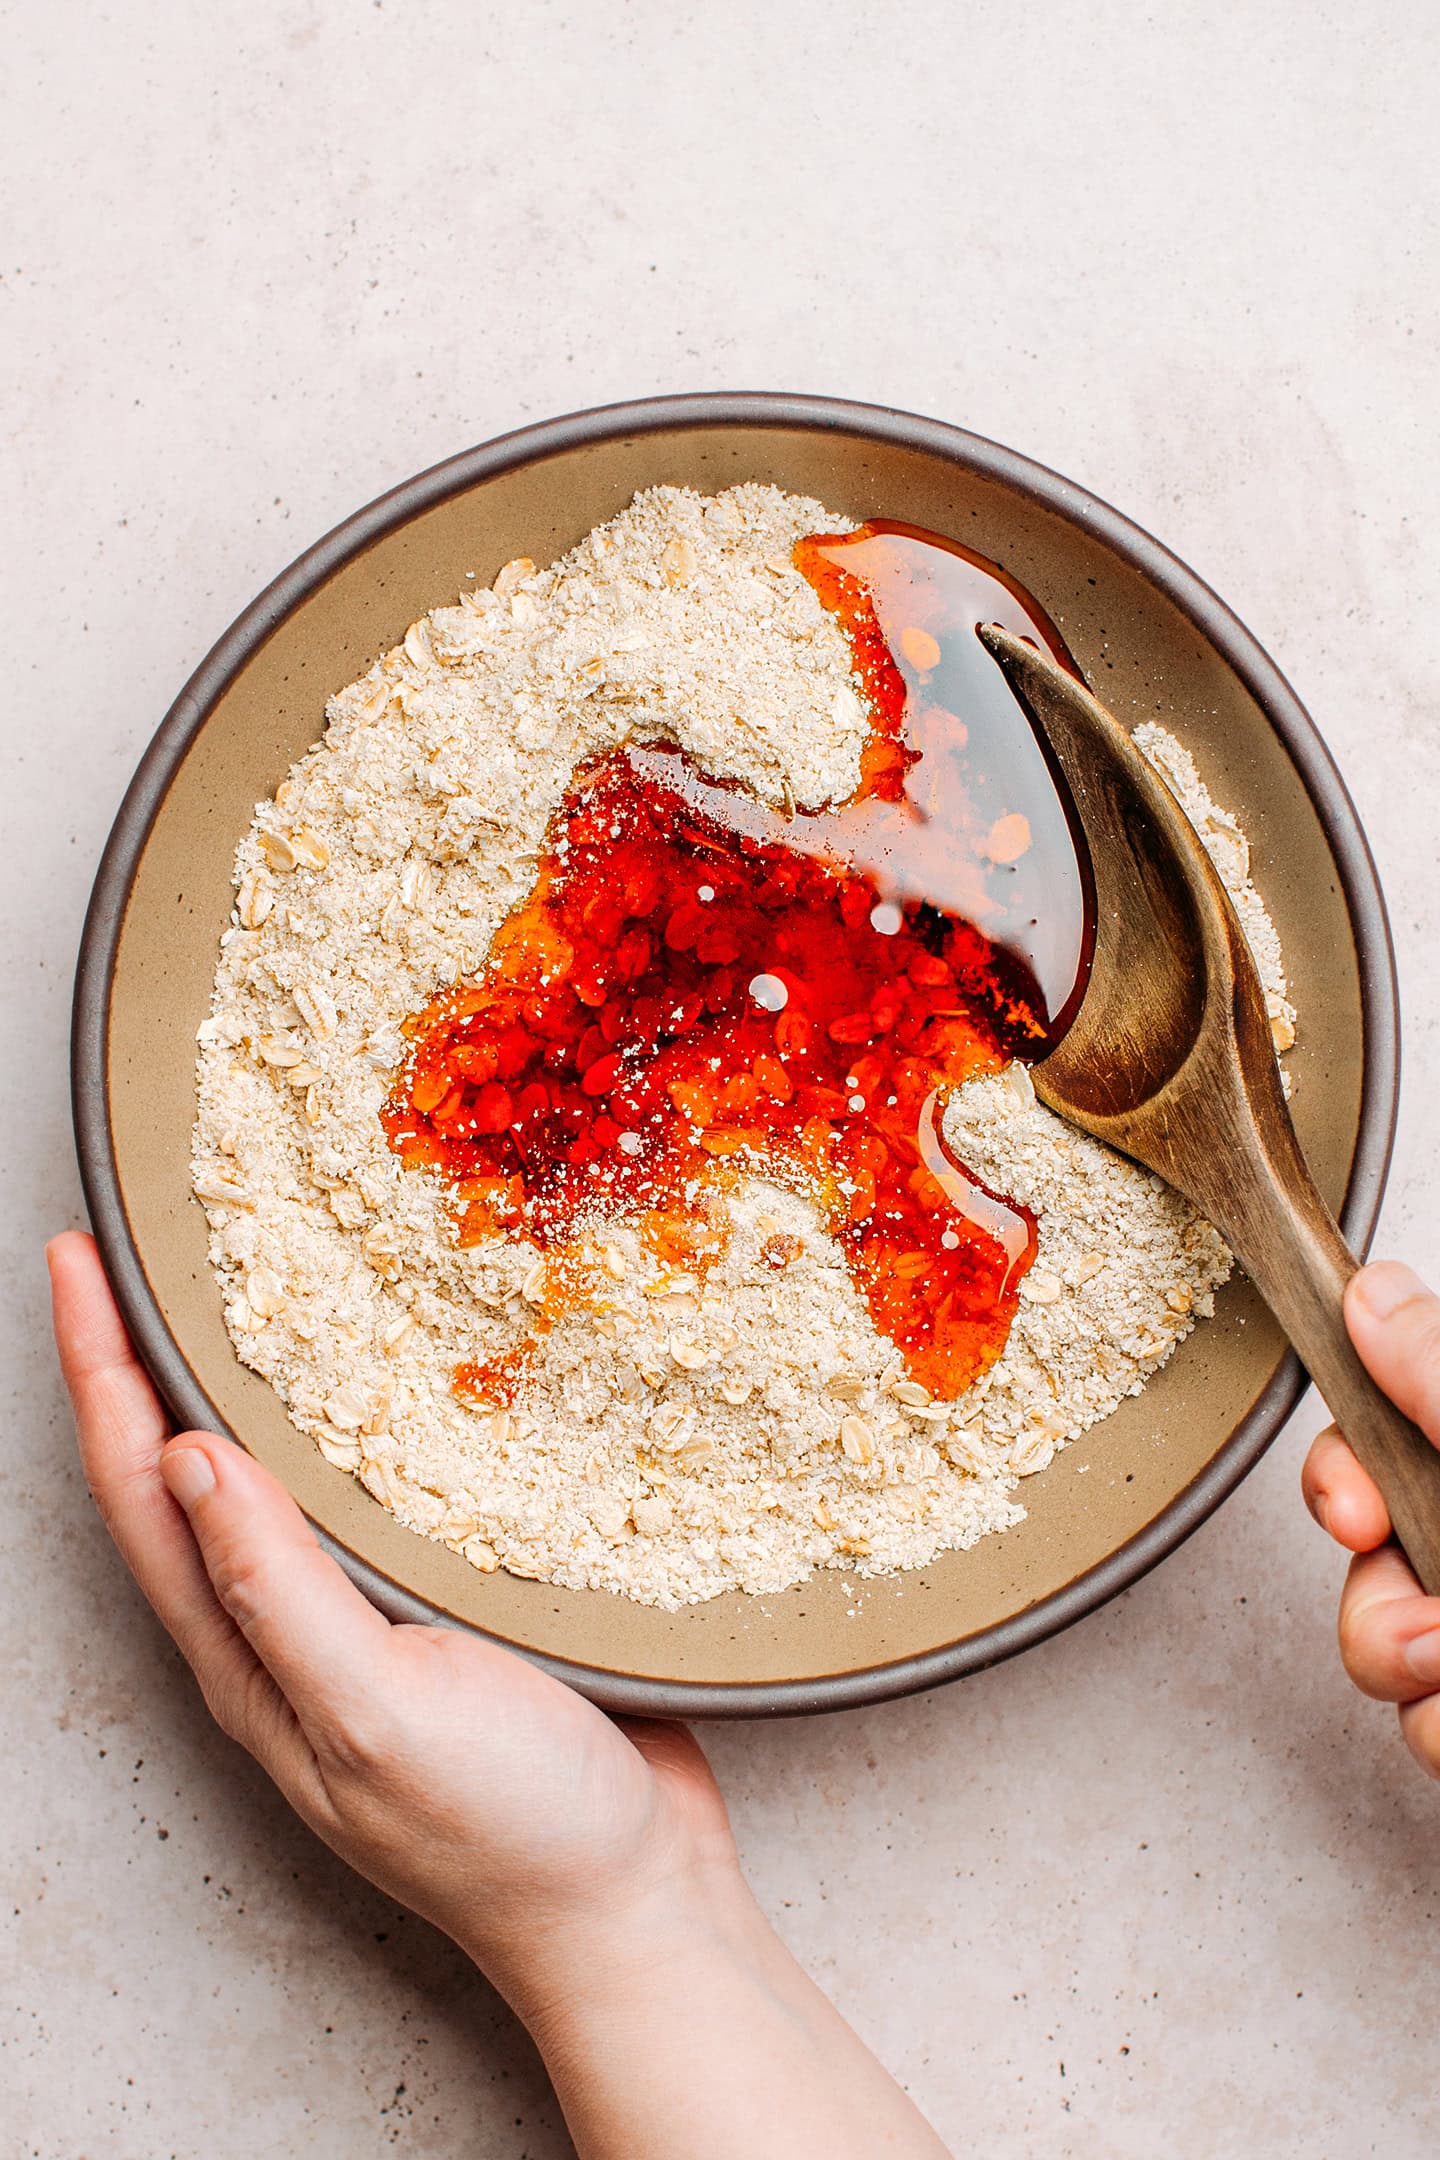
701 985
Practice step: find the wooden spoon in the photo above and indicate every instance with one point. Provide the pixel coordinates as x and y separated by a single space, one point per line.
1170 1059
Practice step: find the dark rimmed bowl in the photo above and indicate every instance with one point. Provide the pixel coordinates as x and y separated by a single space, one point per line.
1155 641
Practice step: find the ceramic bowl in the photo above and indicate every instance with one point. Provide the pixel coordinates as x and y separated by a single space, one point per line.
1152 639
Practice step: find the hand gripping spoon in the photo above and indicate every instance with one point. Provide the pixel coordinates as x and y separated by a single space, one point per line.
1170 1059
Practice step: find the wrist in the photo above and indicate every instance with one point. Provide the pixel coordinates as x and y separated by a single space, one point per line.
681 2023
626 1951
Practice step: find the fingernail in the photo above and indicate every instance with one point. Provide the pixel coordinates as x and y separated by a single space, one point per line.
188 1474
1385 1287
1422 1658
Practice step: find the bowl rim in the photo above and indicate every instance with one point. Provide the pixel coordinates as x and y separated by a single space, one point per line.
141 804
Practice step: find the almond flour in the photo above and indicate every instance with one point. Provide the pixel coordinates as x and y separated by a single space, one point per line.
672 1438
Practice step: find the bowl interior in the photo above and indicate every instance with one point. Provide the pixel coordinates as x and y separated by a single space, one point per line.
1147 659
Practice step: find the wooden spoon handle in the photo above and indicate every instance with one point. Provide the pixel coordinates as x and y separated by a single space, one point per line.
1288 1242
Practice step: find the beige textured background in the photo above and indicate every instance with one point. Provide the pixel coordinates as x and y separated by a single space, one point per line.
1165 1885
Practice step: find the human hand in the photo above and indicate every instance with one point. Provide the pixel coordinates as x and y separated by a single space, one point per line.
459 1778
585 1864
1389 1630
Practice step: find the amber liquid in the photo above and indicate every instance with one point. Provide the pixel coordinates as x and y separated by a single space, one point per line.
701 984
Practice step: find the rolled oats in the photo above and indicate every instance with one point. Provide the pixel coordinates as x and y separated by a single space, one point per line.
857 1440
728 1430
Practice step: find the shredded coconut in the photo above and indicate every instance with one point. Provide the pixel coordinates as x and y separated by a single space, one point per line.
674 1439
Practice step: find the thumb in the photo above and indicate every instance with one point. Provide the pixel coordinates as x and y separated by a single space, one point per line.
1394 1323
323 1642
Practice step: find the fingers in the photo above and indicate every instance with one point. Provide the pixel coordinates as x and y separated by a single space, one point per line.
1420 1723
669 1748
325 1645
120 1417
122 1430
1389 1631
1394 1323
1343 1498
122 1427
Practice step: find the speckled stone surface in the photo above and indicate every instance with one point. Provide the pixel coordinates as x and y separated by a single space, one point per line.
1164 1885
